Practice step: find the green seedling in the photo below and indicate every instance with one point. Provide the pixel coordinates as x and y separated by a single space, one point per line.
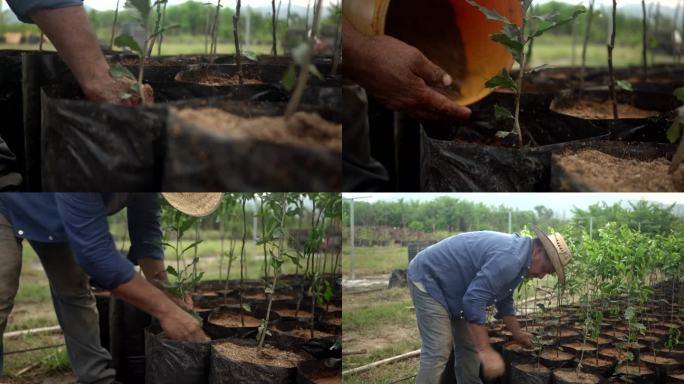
674 133
673 338
144 8
515 39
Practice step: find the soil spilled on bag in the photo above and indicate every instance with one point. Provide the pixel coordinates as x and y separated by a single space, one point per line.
214 79
603 172
303 129
305 333
287 312
571 376
263 296
268 355
600 110
232 320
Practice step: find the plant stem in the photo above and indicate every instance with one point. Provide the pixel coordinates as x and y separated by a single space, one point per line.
236 25
242 256
644 39
274 49
116 16
161 32
289 5
222 234
304 73
214 33
611 45
590 18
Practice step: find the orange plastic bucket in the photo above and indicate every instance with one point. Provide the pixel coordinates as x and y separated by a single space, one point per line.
451 33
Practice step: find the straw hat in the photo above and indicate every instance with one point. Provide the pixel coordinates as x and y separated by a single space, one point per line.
194 204
556 249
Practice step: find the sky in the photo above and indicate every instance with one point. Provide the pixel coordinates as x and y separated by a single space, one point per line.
561 203
111 4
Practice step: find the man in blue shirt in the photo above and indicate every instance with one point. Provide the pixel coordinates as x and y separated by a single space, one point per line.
66 24
70 235
454 281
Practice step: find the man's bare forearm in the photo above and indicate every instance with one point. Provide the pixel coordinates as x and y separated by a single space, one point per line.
145 296
512 324
70 32
479 336
154 271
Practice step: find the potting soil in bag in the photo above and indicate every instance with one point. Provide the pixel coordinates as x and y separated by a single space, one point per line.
175 362
469 163
234 361
530 374
227 145
623 167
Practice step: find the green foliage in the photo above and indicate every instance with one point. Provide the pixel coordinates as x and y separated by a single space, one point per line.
127 41
675 130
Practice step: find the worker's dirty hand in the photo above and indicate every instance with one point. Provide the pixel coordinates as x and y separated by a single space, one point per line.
492 363
403 79
524 338
117 91
179 325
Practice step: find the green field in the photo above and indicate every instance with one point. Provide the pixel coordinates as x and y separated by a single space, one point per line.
548 49
374 260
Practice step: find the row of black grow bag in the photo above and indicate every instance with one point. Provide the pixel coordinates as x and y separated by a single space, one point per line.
90 147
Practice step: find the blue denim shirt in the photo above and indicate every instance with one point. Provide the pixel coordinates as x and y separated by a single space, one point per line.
467 273
81 220
22 8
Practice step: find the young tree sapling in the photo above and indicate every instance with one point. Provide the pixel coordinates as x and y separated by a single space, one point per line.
515 39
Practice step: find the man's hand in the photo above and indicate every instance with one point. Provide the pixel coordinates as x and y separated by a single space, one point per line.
492 363
179 325
524 338
117 91
400 76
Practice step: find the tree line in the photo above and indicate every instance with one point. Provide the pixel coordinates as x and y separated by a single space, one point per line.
455 215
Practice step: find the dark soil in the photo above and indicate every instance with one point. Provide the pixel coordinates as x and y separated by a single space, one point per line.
601 110
302 129
603 172
268 355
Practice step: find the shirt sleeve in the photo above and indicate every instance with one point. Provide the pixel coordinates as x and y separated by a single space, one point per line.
85 223
22 8
485 287
505 307
144 227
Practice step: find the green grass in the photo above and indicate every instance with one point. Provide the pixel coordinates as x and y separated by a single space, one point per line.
557 51
374 260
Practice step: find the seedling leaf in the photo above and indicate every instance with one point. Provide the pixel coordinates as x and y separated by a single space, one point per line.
626 85
289 78
127 41
117 70
679 94
503 80
250 55
502 134
674 132
489 13
554 22
143 7
314 71
501 113
512 45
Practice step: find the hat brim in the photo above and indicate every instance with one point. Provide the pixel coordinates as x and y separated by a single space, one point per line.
551 252
195 204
